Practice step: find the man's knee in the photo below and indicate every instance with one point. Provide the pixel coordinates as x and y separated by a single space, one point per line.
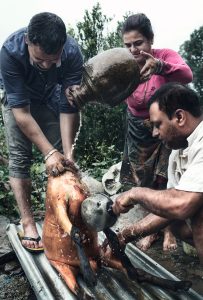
19 168
19 147
20 158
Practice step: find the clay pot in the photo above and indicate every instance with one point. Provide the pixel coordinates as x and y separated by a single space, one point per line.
108 78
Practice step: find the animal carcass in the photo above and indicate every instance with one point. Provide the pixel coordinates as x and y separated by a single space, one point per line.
71 246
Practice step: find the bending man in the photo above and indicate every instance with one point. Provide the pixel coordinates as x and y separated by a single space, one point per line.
38 64
176 118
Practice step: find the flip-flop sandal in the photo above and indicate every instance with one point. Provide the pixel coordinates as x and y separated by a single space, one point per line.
27 238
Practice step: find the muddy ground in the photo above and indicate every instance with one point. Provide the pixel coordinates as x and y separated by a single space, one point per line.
179 264
15 286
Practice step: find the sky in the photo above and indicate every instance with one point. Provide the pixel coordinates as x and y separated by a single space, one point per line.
173 21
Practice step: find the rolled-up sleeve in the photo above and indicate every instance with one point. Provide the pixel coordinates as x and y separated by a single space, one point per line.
13 80
192 178
72 76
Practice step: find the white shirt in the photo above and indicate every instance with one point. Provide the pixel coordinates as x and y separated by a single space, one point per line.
185 170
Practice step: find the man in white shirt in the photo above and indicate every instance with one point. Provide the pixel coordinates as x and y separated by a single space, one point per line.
176 118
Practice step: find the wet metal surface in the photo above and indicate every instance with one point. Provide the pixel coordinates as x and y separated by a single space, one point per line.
112 284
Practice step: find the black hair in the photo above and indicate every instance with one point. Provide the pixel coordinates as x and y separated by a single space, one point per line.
138 22
48 31
172 96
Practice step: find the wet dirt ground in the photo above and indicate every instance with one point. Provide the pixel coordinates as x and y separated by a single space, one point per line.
179 264
15 287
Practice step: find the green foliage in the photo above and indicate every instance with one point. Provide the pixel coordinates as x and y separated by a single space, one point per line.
101 136
105 156
3 149
114 38
7 203
192 51
91 32
39 181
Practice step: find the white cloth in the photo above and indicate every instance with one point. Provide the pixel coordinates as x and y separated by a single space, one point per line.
185 170
110 179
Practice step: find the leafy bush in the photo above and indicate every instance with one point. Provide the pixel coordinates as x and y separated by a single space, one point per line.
39 181
7 203
101 138
192 52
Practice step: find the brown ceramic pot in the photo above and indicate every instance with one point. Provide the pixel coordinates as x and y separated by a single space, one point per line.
108 78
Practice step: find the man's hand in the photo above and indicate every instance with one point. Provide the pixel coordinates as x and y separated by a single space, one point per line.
124 202
57 164
69 92
151 66
69 165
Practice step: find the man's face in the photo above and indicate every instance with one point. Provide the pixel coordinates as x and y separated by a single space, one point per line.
42 60
165 129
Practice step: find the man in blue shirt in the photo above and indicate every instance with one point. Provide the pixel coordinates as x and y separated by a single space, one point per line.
38 65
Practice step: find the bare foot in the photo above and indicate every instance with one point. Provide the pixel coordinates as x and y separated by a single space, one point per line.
169 243
145 243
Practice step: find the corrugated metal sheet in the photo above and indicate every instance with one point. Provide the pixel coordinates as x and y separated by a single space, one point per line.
112 285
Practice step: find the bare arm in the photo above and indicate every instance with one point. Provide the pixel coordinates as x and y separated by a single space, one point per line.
170 204
148 225
171 65
31 129
69 124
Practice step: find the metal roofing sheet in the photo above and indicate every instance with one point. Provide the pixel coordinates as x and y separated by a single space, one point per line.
112 284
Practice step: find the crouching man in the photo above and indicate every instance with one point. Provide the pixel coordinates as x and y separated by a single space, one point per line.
176 118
